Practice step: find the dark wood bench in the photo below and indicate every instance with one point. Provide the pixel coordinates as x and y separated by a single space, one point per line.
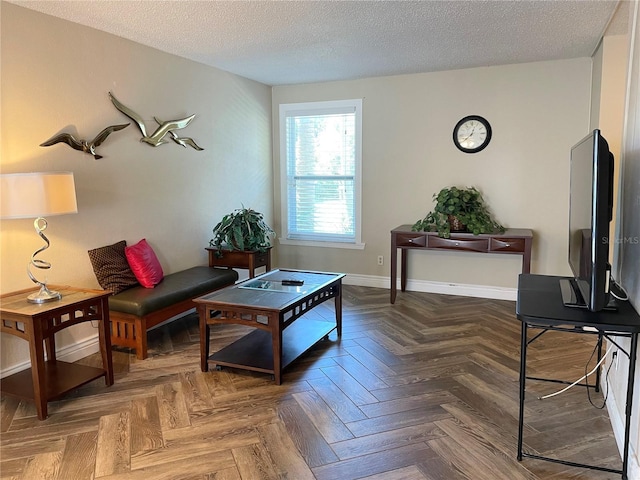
136 310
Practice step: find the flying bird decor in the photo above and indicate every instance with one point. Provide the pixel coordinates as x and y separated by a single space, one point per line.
184 141
159 136
83 145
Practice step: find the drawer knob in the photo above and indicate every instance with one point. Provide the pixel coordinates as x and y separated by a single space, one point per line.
507 244
457 244
411 240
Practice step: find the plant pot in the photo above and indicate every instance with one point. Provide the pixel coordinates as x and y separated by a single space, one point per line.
455 225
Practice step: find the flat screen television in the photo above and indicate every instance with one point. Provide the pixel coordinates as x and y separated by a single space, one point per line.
590 214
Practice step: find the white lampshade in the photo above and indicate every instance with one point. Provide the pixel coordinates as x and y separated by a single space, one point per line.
30 195
35 195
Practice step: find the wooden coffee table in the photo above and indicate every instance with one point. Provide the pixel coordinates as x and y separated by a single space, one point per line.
276 311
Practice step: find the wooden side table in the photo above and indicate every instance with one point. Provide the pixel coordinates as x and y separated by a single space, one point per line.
38 324
241 259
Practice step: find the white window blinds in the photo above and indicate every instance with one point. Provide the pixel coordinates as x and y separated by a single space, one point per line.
322 156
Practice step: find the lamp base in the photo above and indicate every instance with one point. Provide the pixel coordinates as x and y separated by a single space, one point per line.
44 295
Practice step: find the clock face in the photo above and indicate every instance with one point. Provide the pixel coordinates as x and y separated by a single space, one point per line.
472 134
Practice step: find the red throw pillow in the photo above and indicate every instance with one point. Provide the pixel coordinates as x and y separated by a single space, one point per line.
144 264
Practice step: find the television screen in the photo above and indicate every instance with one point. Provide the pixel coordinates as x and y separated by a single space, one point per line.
590 213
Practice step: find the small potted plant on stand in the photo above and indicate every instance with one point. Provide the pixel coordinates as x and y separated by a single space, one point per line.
241 240
458 210
243 229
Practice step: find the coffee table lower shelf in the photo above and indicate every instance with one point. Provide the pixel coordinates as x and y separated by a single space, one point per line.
254 351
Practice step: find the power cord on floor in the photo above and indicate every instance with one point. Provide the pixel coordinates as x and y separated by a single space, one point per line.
606 382
579 380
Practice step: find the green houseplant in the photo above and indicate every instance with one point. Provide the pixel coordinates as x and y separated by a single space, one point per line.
242 229
455 206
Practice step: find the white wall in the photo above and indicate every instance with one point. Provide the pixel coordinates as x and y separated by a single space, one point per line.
55 77
537 112
621 57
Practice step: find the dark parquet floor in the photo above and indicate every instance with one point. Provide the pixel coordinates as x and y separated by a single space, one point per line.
423 389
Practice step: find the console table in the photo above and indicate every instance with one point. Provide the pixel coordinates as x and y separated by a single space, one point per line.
539 306
514 241
240 259
38 324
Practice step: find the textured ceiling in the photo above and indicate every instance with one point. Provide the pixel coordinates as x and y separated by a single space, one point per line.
288 42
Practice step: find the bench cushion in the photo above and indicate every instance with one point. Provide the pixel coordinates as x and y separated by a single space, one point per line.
174 288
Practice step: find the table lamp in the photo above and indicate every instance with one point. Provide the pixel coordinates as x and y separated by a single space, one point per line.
29 195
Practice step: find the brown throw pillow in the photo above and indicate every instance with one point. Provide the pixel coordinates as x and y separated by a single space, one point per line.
111 267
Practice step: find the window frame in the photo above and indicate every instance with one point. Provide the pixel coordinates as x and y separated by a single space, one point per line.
318 108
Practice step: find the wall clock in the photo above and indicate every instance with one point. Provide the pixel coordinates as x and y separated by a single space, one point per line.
472 134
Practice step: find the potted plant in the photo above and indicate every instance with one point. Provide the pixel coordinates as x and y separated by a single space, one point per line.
243 229
458 209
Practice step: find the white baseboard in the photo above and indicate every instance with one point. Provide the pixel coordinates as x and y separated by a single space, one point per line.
465 290
70 353
616 409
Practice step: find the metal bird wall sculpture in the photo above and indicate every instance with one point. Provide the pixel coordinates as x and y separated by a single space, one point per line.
83 145
159 136
184 141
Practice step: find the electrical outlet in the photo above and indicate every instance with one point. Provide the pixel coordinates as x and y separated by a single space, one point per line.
380 260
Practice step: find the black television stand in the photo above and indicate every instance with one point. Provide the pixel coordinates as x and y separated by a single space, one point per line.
539 306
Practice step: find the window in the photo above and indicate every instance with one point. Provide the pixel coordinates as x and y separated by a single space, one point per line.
320 157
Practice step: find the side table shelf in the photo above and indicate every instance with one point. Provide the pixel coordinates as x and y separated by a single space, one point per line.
38 324
62 377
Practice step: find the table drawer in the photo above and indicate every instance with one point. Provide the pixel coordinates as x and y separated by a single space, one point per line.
470 244
262 258
507 245
411 240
